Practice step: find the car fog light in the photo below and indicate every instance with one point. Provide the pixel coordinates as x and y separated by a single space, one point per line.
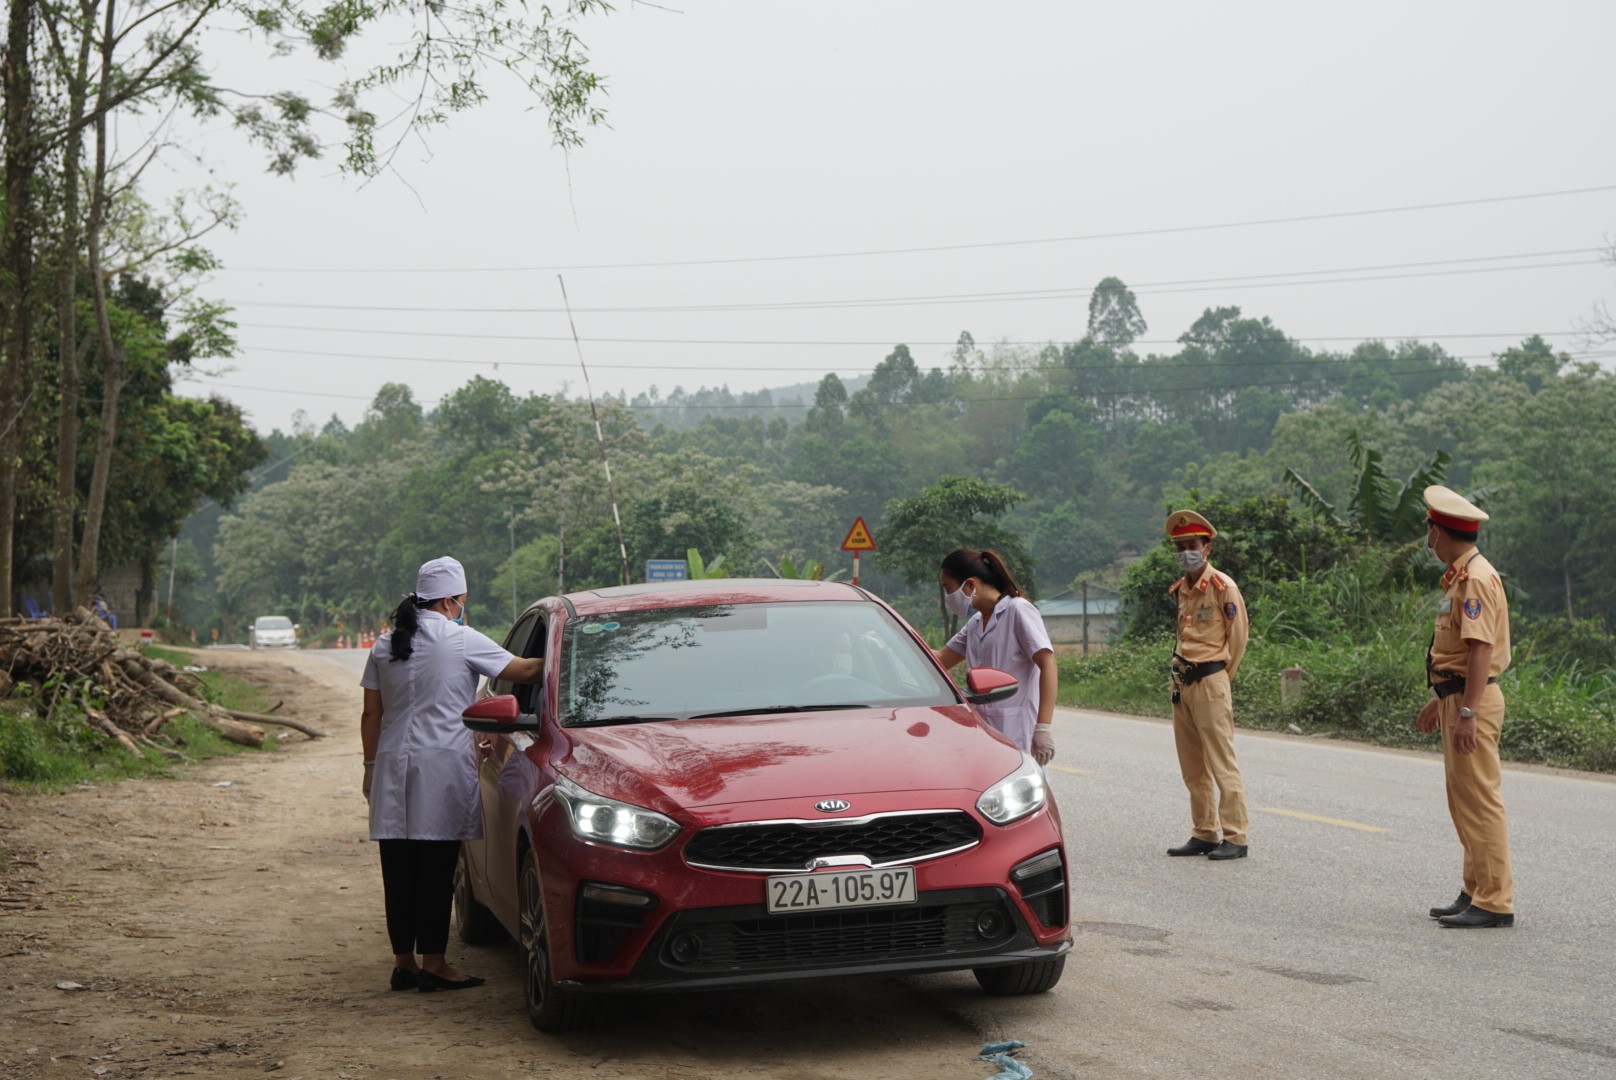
1038 864
685 948
990 923
616 894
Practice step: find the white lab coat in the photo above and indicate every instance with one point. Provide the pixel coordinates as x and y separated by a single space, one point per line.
425 781
1008 641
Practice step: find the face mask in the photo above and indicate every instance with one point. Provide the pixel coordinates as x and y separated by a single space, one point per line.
460 619
958 602
1189 561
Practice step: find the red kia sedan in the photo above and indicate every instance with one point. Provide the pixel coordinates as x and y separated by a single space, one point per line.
721 783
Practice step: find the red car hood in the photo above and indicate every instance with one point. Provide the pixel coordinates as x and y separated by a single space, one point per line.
688 764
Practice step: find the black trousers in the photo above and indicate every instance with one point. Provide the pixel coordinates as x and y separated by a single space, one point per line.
418 882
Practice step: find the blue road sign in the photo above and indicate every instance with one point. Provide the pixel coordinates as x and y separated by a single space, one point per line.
666 570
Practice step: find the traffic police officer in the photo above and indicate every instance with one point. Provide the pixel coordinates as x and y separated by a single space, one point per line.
1212 631
1469 650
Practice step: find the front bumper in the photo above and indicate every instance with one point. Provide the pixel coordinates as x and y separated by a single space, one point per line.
738 946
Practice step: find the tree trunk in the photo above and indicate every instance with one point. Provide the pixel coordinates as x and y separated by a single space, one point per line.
16 270
67 423
113 372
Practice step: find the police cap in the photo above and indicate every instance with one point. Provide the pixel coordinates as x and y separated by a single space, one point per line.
1452 510
1182 524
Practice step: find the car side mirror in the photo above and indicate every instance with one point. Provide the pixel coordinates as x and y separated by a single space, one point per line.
497 715
985 684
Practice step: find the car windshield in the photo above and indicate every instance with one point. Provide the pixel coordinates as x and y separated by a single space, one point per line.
274 622
741 659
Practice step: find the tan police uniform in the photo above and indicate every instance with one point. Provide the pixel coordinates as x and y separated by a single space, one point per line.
1212 631
1472 610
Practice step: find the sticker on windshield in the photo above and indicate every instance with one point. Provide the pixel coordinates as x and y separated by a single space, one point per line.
591 628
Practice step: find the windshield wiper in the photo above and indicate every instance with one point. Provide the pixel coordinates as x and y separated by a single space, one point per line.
755 710
601 721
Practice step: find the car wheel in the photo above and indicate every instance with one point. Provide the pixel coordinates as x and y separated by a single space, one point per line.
1032 977
550 1007
474 923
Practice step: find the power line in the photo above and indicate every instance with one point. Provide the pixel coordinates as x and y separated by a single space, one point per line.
980 246
1149 365
828 342
1149 288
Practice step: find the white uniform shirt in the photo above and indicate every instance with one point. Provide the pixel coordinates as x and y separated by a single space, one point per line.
425 784
1008 641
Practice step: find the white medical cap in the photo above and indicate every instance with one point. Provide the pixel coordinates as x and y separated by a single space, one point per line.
439 578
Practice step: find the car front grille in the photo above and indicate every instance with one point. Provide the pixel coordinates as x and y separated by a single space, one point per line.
728 941
884 839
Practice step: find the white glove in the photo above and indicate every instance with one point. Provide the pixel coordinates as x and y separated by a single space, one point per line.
1043 743
370 771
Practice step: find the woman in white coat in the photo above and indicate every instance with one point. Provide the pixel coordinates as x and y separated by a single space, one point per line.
1002 630
420 775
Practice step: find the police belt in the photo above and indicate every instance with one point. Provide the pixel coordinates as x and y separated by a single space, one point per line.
1189 674
1452 684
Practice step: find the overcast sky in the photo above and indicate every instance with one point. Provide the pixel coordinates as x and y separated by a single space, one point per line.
821 181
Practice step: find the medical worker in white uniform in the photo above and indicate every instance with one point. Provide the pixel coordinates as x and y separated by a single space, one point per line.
420 775
1003 631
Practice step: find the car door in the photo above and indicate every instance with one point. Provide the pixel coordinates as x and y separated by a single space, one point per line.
499 776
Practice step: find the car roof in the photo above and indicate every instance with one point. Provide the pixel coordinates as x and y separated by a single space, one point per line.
665 594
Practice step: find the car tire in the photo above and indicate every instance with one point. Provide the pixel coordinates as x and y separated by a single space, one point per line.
551 1008
474 923
1032 977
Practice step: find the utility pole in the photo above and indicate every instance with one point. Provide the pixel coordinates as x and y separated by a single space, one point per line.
510 516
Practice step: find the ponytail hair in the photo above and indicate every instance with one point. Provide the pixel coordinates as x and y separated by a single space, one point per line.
405 623
986 565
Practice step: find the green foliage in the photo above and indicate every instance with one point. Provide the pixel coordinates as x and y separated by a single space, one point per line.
956 512
698 570
1114 318
811 570
1260 541
1382 511
1366 680
46 743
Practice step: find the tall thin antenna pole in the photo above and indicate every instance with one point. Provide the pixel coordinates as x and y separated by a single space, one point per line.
600 439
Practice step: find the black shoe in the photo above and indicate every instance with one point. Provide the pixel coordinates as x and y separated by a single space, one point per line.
1227 850
428 983
1475 918
1193 846
403 979
1453 908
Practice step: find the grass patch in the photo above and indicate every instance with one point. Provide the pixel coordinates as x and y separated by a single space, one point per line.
226 691
1365 687
49 749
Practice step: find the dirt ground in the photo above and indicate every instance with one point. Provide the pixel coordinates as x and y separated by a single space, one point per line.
228 922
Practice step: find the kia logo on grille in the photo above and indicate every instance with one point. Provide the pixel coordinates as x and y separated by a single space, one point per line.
832 806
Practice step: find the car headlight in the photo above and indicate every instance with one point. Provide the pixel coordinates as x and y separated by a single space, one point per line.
1017 795
607 821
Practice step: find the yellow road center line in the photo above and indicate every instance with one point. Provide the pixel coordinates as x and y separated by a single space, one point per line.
1360 826
1068 768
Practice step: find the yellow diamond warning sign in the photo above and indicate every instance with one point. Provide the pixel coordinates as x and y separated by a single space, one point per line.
858 537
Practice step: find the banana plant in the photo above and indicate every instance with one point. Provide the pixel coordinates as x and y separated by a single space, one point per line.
1381 511
811 570
699 569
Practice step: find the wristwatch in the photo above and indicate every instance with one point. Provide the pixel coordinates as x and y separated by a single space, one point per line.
1466 713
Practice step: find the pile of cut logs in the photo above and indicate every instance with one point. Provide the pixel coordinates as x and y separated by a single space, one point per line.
121 692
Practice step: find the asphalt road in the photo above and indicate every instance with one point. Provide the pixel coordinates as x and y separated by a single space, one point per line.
1315 956
1312 958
